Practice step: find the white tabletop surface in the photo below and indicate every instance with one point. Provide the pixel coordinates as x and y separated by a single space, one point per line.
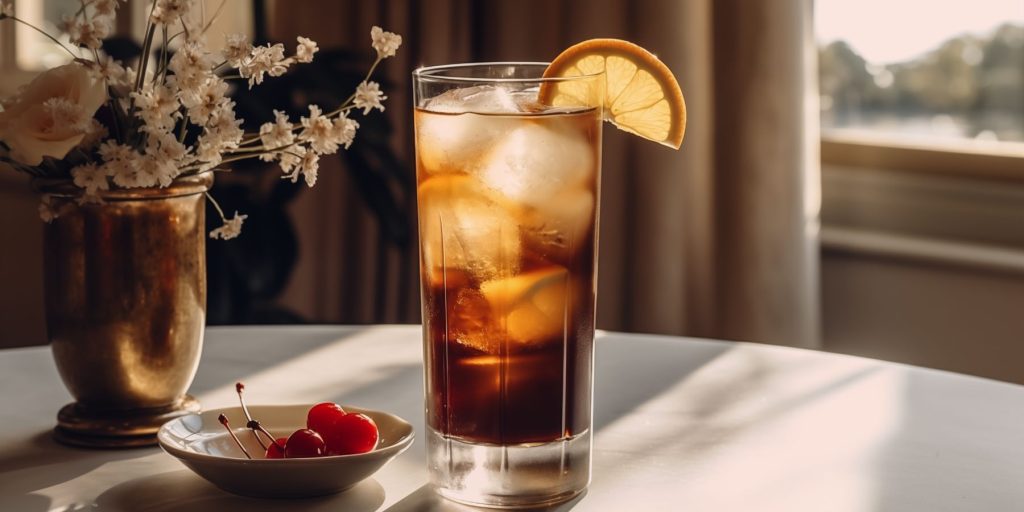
681 424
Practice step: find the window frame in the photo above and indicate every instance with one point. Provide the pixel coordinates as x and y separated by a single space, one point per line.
999 161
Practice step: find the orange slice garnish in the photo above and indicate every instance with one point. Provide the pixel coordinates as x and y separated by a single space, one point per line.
641 96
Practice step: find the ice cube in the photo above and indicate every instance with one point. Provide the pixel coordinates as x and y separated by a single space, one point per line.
556 229
531 307
463 227
481 99
537 161
470 322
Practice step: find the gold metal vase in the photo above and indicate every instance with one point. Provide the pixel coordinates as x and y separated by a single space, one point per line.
125 287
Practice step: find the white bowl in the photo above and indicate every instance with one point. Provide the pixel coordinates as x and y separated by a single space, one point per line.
204 446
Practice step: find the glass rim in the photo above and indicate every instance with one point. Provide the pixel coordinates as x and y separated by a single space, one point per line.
426 73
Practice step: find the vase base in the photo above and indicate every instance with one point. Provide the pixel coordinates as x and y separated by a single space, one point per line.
86 428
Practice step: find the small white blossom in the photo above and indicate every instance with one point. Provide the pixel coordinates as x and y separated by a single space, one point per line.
386 43
112 151
203 100
90 177
208 152
318 132
88 33
108 69
305 50
191 65
47 210
309 166
152 170
236 49
168 11
157 107
6 10
226 129
262 60
276 135
369 96
290 158
345 130
165 147
105 7
62 114
231 228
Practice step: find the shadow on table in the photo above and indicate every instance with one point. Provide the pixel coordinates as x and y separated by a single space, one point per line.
181 491
39 462
425 499
625 378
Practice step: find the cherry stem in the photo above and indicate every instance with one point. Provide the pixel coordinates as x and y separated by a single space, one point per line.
252 424
256 426
224 421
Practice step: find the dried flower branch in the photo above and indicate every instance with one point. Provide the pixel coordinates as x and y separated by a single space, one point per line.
152 108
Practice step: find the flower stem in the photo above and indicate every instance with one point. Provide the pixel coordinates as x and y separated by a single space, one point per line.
43 32
216 206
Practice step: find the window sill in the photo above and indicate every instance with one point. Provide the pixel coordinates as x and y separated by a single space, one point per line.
1003 161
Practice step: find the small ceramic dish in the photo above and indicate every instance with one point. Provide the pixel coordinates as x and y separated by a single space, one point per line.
201 443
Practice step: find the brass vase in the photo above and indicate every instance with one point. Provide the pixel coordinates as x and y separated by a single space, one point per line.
125 287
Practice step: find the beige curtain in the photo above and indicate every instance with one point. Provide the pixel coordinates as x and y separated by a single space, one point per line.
716 240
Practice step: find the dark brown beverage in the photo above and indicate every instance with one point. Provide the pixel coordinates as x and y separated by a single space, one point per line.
507 227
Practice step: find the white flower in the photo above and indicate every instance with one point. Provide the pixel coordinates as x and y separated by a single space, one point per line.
318 132
88 33
63 112
203 100
28 128
263 60
165 147
6 10
108 69
191 65
231 228
310 165
157 107
224 127
169 11
105 7
152 170
90 177
305 50
345 130
369 96
386 43
290 159
112 151
208 152
236 49
47 210
300 163
276 135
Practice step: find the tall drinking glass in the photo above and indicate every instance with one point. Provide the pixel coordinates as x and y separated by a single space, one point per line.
508 200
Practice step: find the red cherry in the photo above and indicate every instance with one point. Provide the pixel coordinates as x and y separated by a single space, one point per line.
352 433
274 452
322 416
304 443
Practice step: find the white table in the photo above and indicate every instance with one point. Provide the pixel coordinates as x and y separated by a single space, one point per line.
681 424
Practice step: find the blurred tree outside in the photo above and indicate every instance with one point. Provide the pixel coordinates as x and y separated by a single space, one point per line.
968 87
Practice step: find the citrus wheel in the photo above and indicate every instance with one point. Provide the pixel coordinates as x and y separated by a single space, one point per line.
641 96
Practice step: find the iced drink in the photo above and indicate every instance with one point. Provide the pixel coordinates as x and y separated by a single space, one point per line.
508 198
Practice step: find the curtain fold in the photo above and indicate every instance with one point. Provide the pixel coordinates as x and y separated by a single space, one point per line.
716 240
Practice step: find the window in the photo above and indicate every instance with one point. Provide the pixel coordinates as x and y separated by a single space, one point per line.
919 71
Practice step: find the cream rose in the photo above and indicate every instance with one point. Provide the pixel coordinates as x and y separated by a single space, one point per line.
52 114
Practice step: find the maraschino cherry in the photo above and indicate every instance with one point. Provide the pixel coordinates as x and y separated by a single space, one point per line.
352 433
304 443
